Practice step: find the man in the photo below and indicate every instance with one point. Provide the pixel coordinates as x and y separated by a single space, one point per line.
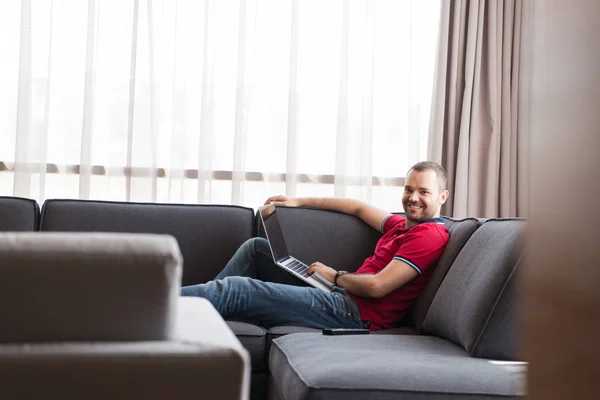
377 295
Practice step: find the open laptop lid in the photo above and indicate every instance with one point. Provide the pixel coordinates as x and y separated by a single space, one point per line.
273 231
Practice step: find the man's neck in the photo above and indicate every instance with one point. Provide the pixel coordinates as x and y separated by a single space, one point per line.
410 223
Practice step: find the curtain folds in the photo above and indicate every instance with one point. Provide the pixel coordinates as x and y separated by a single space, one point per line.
214 101
478 122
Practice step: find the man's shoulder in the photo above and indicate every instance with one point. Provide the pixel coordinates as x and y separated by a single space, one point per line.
392 220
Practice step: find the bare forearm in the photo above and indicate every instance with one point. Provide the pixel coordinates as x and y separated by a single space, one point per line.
346 206
364 285
369 214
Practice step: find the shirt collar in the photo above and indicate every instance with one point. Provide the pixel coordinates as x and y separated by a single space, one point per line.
439 221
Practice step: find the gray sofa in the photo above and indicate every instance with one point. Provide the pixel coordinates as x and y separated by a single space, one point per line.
99 316
458 342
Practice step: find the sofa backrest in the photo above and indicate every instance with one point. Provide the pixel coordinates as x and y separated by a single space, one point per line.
475 305
87 286
460 230
338 240
18 214
344 242
208 235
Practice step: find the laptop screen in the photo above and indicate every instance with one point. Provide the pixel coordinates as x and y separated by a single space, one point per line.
274 233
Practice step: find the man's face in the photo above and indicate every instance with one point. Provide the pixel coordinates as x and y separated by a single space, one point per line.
422 198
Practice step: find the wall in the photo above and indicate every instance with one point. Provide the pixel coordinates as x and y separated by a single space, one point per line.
561 323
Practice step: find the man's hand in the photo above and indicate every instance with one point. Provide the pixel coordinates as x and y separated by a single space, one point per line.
282 201
325 271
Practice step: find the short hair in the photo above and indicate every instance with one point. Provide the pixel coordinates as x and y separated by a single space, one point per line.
440 173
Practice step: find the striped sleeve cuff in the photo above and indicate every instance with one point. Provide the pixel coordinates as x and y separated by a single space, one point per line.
383 223
410 264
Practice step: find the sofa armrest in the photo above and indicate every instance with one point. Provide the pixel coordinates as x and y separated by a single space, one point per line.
87 286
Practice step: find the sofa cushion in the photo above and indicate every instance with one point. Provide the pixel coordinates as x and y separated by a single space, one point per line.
313 366
278 331
87 286
18 214
208 235
473 289
460 231
500 336
253 338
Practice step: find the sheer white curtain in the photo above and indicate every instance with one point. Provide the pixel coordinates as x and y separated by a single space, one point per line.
215 101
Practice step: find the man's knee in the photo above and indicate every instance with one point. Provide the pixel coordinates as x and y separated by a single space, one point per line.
234 286
187 291
257 245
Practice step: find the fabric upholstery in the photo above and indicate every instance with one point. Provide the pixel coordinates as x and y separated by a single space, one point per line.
314 366
460 231
500 337
475 284
278 331
18 214
259 384
200 230
203 359
87 286
253 338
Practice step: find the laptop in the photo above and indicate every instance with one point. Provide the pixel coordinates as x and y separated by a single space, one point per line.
281 255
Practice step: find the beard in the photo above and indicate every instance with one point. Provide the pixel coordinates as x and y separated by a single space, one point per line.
418 213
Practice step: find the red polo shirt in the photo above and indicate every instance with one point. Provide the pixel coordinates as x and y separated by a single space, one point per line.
420 247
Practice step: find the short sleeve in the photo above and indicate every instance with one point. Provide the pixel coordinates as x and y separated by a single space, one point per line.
422 246
390 221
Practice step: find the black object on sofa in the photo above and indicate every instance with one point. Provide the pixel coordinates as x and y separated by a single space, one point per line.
449 346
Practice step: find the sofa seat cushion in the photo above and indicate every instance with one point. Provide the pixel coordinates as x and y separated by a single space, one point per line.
278 331
254 339
313 366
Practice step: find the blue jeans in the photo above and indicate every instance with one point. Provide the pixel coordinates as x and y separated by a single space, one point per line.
238 292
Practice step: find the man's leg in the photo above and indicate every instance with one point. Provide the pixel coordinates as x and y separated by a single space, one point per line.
254 260
248 260
272 304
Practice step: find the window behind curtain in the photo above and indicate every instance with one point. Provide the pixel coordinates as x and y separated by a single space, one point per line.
220 101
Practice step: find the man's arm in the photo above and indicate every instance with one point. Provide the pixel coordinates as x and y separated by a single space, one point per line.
395 275
373 216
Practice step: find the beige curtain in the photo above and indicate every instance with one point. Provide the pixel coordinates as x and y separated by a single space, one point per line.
477 121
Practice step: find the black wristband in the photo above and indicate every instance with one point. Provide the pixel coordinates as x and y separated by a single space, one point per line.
337 275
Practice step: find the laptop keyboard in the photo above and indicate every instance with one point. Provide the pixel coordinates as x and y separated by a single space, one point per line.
299 268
